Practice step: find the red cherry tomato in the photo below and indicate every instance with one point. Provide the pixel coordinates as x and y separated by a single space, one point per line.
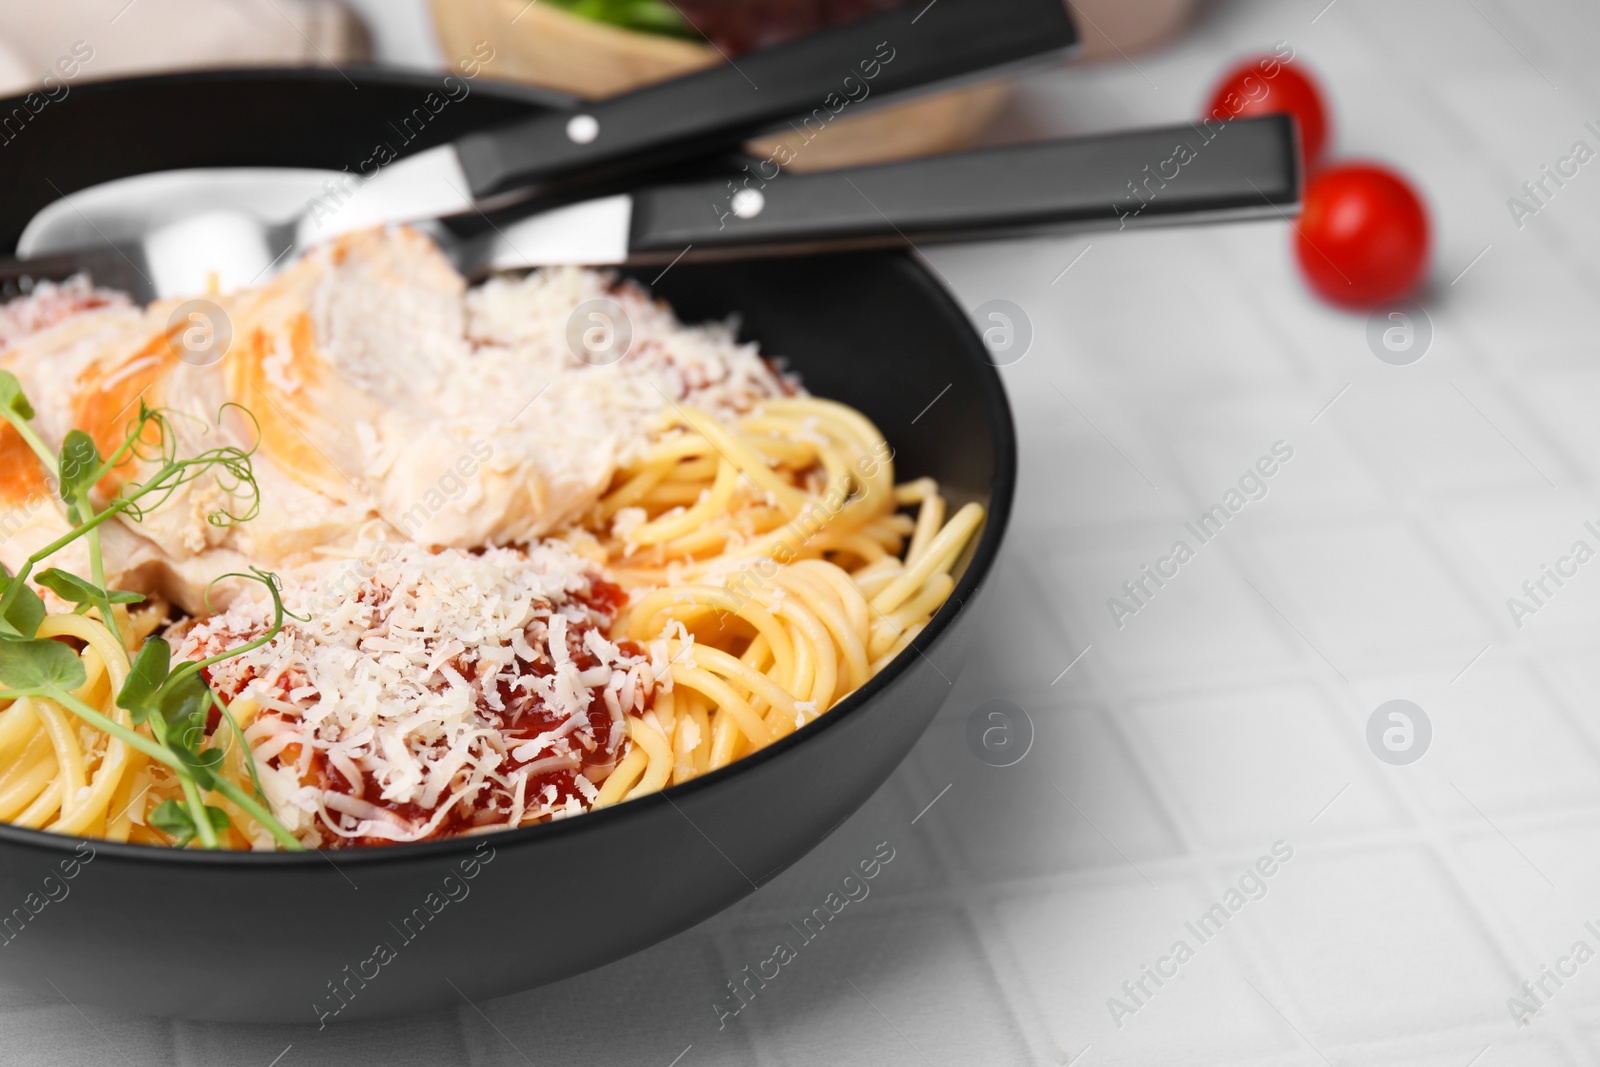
1363 235
1270 85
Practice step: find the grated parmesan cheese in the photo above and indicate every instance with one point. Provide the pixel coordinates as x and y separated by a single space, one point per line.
423 698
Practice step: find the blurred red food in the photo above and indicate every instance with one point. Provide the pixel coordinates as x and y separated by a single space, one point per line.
735 26
1272 85
1363 235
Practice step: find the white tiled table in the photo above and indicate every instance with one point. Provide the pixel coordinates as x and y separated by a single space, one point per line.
1230 713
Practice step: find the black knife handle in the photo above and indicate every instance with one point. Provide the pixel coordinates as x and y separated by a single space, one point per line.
843 67
1242 168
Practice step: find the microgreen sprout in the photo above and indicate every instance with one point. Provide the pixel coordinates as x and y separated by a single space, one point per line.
172 704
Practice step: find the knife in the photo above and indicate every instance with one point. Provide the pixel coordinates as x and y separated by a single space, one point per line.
1243 169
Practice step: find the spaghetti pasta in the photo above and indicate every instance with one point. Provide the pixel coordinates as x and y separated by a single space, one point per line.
775 555
744 570
772 561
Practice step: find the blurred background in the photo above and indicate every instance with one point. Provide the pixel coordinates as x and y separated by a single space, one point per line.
590 48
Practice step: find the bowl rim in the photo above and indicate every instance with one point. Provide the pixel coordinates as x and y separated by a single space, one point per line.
980 563
408 78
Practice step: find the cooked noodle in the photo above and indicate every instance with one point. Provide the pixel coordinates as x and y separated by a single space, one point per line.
749 564
776 558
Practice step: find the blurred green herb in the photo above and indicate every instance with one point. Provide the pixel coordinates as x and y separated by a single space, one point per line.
646 16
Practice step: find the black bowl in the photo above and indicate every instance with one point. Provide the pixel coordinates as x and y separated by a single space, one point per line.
298 937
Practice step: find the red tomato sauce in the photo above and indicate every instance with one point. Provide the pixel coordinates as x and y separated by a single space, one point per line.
522 716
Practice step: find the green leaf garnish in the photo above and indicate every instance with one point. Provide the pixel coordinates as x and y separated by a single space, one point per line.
39 664
148 673
80 461
23 614
12 399
183 701
79 591
173 818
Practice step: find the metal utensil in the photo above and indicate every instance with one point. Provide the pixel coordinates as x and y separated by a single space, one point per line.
239 222
1247 168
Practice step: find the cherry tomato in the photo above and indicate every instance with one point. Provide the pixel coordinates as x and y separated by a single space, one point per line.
1362 238
1271 85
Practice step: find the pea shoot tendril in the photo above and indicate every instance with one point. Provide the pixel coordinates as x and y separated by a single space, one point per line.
173 704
